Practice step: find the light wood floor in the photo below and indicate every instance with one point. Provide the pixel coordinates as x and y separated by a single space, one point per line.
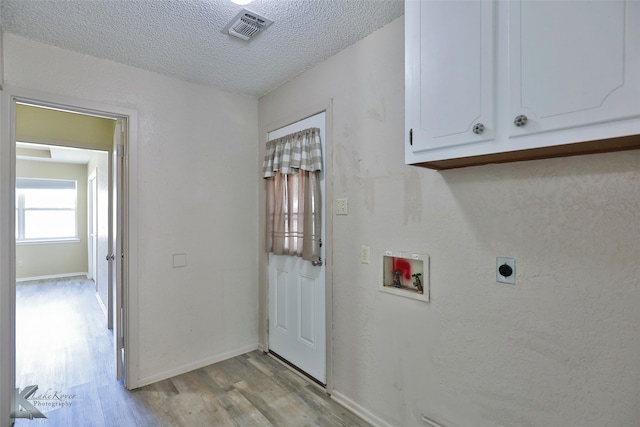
64 347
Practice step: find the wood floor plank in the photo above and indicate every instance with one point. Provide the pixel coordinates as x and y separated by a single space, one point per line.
151 407
279 406
63 345
219 375
244 413
260 365
210 383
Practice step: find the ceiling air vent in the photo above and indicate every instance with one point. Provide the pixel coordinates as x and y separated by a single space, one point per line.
246 25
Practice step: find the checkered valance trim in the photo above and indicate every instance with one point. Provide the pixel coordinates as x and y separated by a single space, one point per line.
288 154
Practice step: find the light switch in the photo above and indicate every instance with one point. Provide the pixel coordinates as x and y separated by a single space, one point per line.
342 207
365 255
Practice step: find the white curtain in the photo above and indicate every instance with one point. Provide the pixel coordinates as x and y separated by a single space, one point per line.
292 167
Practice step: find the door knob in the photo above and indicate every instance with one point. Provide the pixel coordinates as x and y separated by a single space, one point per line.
478 128
520 120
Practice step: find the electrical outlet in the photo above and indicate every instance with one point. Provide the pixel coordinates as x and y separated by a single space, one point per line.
506 270
342 207
365 255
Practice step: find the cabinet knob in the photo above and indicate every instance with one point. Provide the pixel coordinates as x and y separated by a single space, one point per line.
520 120
478 128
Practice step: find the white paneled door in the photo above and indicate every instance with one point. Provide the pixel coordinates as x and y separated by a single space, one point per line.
297 325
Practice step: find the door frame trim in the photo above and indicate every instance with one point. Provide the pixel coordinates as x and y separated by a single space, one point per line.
9 97
325 106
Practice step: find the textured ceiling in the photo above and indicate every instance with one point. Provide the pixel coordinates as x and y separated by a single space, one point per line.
183 38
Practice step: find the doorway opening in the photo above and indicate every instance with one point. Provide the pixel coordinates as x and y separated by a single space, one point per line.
108 171
62 200
61 227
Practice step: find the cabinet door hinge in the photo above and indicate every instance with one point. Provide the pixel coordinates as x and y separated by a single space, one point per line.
267 326
410 136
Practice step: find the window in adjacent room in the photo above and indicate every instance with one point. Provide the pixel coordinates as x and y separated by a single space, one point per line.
46 210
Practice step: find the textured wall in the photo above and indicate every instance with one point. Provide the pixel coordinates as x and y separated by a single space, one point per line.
560 348
55 258
193 198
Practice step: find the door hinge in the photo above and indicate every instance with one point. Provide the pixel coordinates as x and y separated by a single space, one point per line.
268 324
410 136
120 149
121 342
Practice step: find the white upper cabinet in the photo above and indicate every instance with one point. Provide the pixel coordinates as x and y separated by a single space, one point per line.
572 63
449 72
510 80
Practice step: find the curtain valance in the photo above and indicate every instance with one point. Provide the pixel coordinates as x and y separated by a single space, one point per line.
290 153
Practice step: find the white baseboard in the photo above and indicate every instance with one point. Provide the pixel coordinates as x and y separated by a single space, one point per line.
52 276
360 411
104 309
195 365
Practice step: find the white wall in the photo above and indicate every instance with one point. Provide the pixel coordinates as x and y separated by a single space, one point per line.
560 348
193 198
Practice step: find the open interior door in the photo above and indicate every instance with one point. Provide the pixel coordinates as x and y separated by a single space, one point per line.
116 253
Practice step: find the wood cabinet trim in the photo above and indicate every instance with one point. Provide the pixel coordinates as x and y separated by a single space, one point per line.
589 147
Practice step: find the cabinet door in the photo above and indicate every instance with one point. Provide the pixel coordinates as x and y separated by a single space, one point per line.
573 63
449 73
